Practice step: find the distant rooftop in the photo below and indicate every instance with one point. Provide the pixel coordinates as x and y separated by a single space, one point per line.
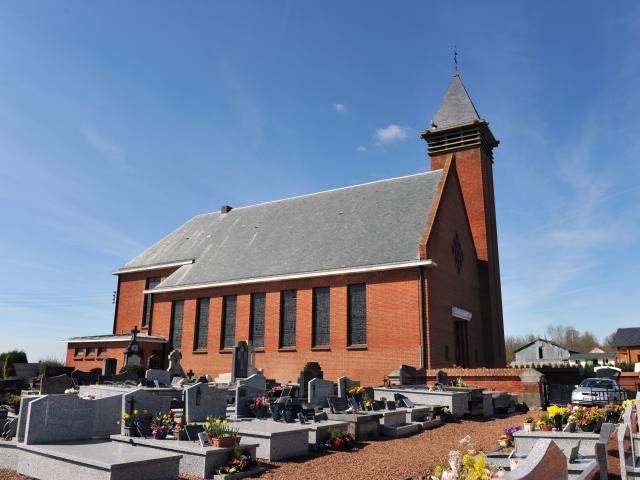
626 337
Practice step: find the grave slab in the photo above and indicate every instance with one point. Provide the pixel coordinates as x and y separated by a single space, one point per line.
362 426
248 389
8 454
96 460
457 402
401 430
344 383
276 440
526 441
196 460
319 391
202 400
162 376
319 432
153 400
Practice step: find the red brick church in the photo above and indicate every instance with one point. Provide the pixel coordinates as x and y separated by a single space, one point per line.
360 279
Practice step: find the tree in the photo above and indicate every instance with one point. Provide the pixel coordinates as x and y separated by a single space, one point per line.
18 356
8 370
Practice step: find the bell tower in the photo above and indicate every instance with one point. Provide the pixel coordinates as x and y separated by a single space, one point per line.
457 129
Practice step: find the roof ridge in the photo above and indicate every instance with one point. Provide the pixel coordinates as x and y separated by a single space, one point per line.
329 190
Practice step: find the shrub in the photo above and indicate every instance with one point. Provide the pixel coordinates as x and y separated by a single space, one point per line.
137 369
8 370
51 361
18 356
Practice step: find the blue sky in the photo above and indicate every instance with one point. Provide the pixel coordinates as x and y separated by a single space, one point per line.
121 120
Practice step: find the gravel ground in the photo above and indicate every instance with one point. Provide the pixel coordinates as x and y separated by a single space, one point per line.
391 459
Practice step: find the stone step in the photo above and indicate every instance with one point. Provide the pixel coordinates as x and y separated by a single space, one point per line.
397 431
428 424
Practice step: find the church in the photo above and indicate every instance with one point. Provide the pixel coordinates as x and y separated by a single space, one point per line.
360 279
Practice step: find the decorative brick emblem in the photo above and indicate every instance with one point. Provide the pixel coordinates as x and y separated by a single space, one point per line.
458 254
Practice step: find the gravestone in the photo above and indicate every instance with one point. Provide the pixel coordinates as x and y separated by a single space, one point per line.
26 370
142 400
22 416
57 370
55 385
175 369
338 404
408 375
161 376
84 378
441 377
344 383
202 400
319 391
251 364
109 366
154 362
133 354
248 389
125 377
310 371
240 361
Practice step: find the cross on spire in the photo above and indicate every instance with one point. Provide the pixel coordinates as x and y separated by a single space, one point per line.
455 60
135 333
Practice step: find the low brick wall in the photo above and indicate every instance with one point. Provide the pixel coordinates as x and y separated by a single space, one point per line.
629 380
525 382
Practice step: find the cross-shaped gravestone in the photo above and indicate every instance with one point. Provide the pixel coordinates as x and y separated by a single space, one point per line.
135 333
190 374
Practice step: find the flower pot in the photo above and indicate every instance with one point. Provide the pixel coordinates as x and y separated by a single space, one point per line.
528 427
546 428
590 427
557 420
131 432
572 427
503 443
159 434
223 442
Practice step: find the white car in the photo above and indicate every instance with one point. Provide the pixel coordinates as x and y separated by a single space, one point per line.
597 391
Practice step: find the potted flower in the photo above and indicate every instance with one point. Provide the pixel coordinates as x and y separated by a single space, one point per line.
339 440
161 425
240 462
220 432
504 441
129 422
259 407
528 424
556 414
544 423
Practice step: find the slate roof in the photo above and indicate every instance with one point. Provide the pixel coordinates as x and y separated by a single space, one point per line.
117 338
626 337
375 223
590 356
456 107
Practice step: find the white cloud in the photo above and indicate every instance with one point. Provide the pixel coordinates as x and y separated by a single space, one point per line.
391 134
361 148
105 147
340 107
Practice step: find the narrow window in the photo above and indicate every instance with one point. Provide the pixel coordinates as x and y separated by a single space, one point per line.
540 354
91 351
288 318
147 311
102 351
256 320
321 315
357 310
228 321
202 324
177 314
79 351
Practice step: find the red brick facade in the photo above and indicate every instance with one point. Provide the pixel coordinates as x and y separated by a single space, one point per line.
393 311
79 356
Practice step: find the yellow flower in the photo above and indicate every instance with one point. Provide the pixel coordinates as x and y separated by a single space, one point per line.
217 421
145 411
225 421
135 412
126 415
118 422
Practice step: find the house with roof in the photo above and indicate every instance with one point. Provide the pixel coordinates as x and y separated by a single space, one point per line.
627 344
542 352
360 279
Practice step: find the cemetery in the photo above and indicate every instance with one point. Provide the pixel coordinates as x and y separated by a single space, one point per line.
165 423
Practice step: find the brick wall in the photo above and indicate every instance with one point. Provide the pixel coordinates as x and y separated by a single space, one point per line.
447 287
502 379
114 350
392 327
131 298
475 172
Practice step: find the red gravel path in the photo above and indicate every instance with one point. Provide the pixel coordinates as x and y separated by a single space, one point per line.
391 459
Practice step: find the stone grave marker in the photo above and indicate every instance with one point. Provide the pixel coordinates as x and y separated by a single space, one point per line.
310 371
441 377
248 389
338 404
26 370
161 376
175 369
84 378
202 400
240 361
142 400
125 377
53 385
56 370
22 416
408 375
251 364
109 366
154 362
319 391
344 383
133 355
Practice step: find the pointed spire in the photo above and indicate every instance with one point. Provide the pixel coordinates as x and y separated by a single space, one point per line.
456 107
